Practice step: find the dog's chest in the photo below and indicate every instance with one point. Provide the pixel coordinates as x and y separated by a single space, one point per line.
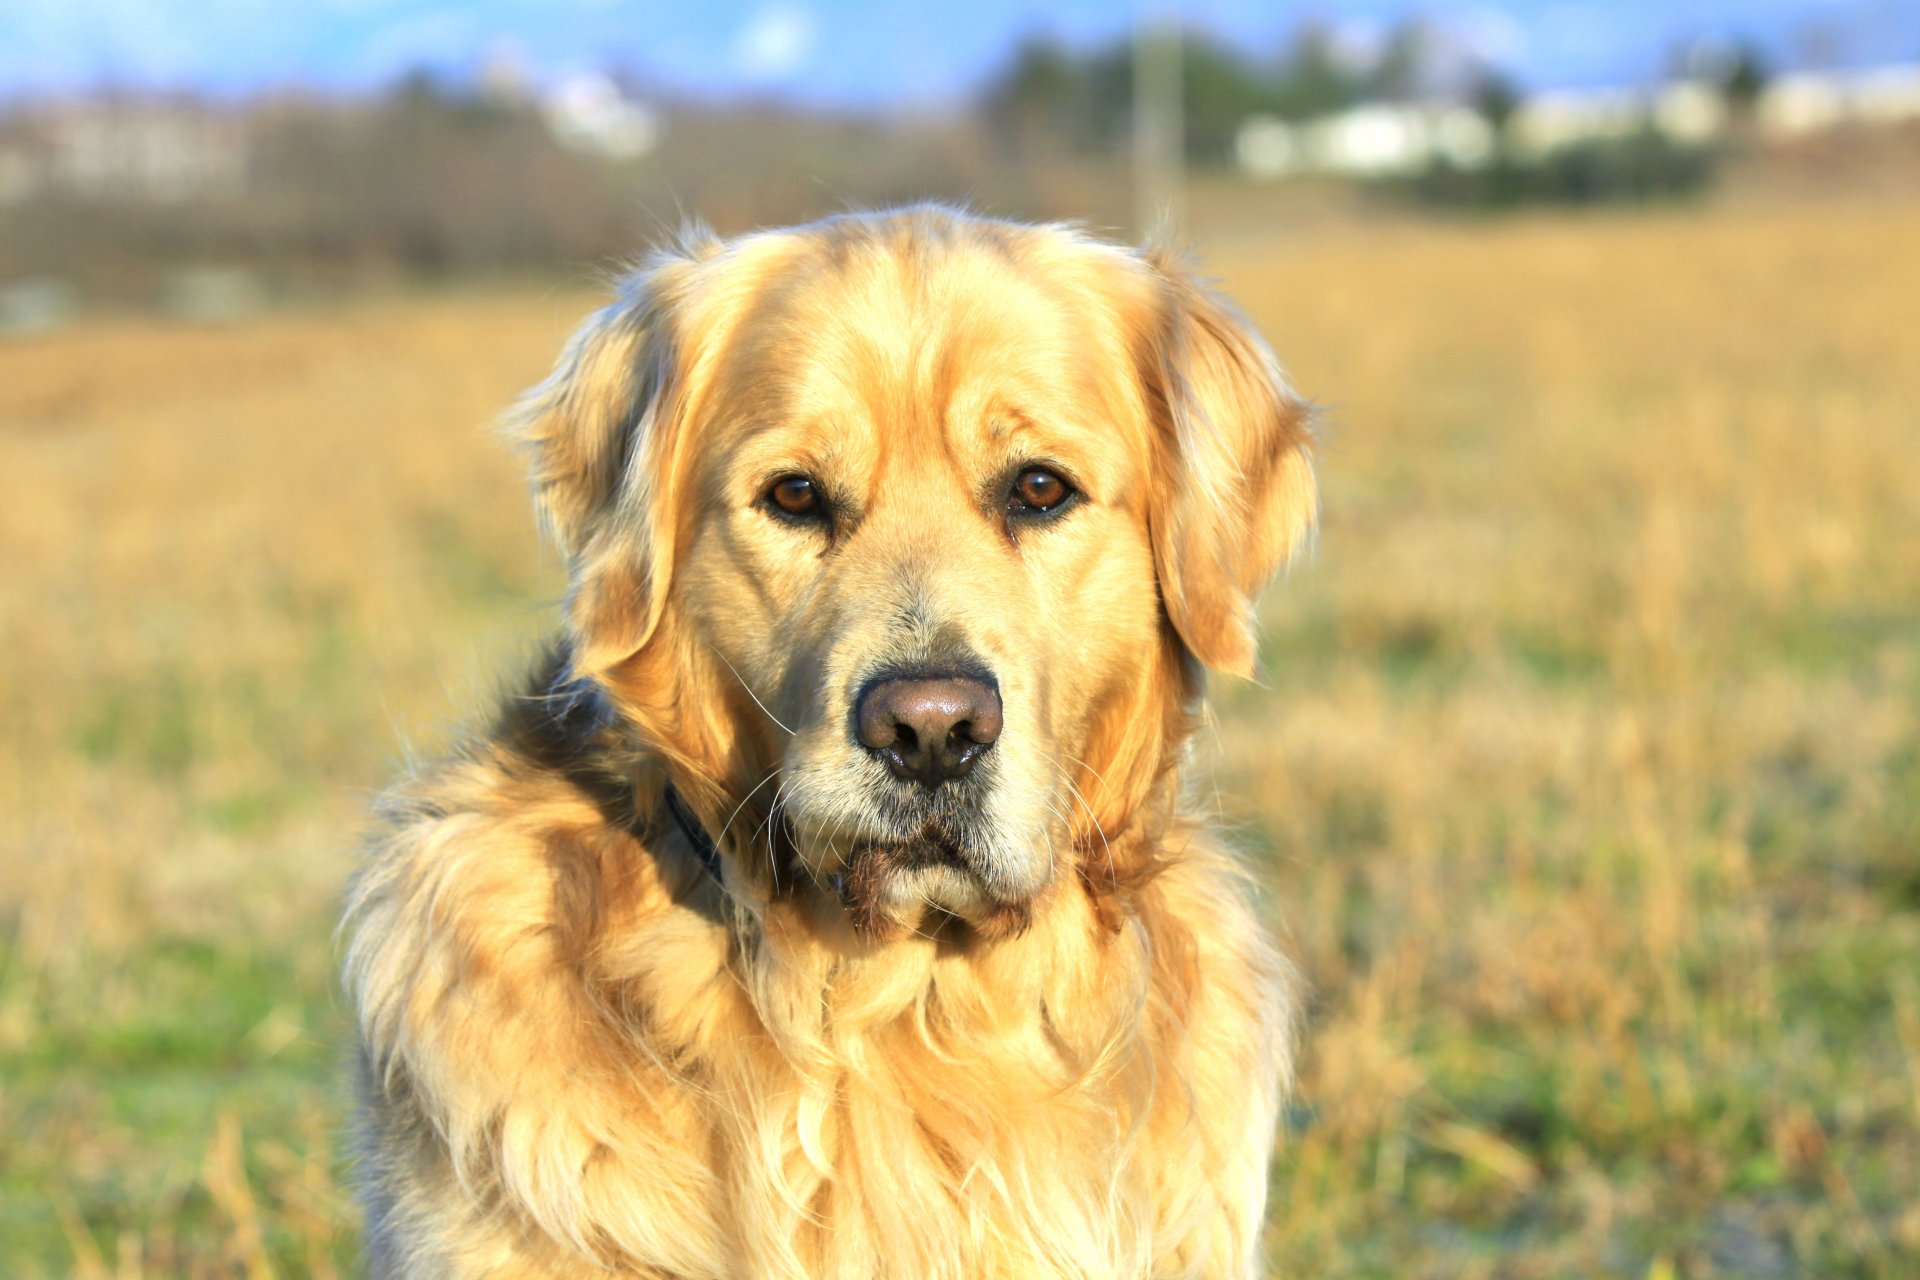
905 1122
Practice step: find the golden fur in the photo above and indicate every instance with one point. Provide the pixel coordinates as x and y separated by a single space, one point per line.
582 1051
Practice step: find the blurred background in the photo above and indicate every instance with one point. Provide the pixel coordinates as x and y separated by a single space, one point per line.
1585 775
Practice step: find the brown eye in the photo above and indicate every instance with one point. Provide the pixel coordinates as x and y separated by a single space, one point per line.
795 496
1039 491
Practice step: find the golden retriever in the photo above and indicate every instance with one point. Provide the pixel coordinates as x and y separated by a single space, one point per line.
832 902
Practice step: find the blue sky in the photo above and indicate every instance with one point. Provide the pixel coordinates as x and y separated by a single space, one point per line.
837 52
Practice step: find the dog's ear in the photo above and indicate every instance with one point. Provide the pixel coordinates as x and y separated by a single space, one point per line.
599 435
1233 492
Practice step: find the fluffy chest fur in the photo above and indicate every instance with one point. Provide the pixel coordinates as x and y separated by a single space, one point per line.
580 1050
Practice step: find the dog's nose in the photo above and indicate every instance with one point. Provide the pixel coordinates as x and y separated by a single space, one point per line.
928 730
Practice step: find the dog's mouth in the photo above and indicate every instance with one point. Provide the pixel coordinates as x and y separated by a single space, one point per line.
902 858
892 887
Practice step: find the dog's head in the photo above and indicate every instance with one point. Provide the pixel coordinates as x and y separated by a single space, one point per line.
902 538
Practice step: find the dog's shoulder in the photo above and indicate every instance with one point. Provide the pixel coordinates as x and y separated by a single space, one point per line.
528 827
477 961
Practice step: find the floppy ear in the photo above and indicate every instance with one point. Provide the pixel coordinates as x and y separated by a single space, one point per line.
1233 492
597 433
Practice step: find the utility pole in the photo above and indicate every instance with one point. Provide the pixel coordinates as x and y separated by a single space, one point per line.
1159 123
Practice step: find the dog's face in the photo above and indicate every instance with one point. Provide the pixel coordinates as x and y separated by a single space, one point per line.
925 550
897 535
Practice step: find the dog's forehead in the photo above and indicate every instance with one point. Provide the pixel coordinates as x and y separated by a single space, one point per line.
931 323
903 302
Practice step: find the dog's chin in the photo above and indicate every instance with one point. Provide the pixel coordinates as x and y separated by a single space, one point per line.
918 885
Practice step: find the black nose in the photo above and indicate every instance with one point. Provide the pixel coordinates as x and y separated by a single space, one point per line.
928 729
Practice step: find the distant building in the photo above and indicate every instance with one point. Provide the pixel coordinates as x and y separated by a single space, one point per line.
590 112
1691 112
21 172
1372 140
1809 102
1551 121
1888 95
154 152
1379 140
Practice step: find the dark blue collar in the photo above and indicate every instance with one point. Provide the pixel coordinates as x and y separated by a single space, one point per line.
697 837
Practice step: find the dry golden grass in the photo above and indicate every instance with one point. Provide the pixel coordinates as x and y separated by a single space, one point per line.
1587 777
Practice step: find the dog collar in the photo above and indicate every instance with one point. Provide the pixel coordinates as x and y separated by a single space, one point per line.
703 846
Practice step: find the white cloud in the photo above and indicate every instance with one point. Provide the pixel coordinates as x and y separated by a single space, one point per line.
774 43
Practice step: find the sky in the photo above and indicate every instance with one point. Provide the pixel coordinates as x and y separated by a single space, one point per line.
847 53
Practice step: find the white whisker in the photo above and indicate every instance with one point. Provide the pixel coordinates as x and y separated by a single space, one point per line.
727 826
749 688
1112 870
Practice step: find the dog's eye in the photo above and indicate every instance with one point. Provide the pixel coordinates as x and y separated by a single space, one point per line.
796 497
1038 491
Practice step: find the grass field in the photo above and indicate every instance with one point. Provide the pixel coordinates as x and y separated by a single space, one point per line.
1587 773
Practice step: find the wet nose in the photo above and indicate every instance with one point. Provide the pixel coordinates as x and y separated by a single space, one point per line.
928 729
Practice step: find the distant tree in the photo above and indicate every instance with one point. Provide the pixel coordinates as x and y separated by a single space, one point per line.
1744 79
1047 96
424 92
1496 98
1106 111
1042 94
1401 72
421 86
1220 89
1315 80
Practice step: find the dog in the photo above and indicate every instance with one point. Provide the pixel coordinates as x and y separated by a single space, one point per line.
831 901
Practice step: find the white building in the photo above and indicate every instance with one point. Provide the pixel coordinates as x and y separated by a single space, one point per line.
589 112
153 152
1810 102
1380 140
